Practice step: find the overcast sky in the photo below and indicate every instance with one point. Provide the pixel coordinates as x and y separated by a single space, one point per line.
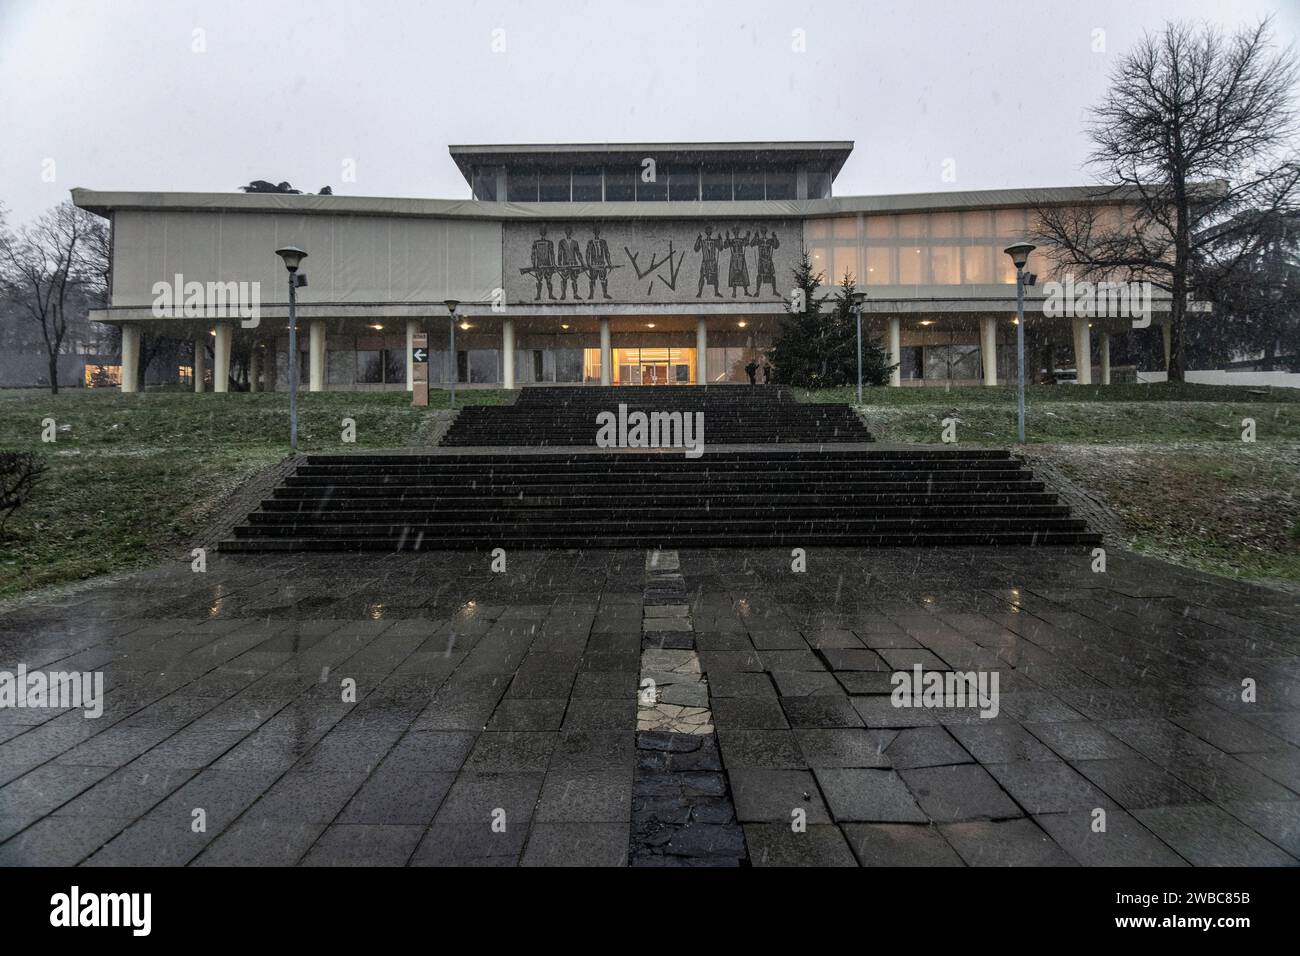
111 94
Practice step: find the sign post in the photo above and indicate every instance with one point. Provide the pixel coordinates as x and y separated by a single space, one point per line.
420 369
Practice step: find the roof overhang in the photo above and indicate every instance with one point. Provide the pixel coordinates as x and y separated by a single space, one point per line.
832 152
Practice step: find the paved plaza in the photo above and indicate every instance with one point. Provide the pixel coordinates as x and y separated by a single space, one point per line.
1147 715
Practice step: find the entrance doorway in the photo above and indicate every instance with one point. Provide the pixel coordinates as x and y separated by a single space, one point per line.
654 366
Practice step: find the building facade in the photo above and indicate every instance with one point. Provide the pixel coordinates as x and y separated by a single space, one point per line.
579 264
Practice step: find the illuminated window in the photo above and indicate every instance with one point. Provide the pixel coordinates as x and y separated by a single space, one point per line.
103 376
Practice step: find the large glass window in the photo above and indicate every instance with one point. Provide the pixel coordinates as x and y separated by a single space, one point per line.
715 182
568 365
370 366
485 183
586 184
376 366
819 183
654 191
553 185
683 183
780 182
620 183
747 183
521 184
484 366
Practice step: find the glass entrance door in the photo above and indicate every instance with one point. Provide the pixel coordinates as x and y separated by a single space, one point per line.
654 366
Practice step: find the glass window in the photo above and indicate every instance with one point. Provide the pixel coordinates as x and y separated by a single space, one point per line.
909 265
879 266
395 366
977 264
944 269
780 182
656 191
568 365
521 184
586 184
462 365
370 366
683 183
819 184
553 185
485 183
483 366
338 367
437 365
747 183
620 183
716 182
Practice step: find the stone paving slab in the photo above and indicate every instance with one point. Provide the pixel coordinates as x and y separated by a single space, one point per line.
420 709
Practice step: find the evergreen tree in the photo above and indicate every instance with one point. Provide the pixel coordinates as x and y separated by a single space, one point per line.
818 349
804 353
875 360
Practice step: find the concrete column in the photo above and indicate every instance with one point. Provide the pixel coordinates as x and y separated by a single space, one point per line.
606 355
200 360
989 348
1105 358
1082 352
896 350
221 358
507 353
412 327
701 353
130 357
1166 332
254 366
316 358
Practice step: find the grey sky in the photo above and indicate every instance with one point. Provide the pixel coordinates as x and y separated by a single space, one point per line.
115 95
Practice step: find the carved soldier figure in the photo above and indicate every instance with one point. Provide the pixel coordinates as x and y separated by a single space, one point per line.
570 264
543 260
737 268
598 264
708 245
766 270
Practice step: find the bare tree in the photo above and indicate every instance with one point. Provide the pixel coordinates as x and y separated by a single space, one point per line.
1196 128
55 268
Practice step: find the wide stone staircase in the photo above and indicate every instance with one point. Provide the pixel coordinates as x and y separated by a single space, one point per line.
762 497
733 415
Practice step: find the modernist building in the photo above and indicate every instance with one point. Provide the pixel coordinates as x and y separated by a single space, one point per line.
610 264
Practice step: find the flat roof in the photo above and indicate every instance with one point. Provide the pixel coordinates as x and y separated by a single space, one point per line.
833 152
104 202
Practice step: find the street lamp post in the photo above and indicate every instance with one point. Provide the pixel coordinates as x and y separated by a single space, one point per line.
293 257
451 359
1019 253
858 299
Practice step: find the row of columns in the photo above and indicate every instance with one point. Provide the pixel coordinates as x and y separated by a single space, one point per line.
222 340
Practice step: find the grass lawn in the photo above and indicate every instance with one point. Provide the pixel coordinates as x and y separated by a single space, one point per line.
132 478
1168 459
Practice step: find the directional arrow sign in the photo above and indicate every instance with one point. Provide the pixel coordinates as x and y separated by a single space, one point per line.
420 355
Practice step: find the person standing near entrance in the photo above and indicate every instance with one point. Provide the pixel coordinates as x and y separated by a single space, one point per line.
752 371
767 372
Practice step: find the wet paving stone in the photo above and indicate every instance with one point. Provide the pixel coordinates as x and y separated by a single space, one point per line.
496 716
